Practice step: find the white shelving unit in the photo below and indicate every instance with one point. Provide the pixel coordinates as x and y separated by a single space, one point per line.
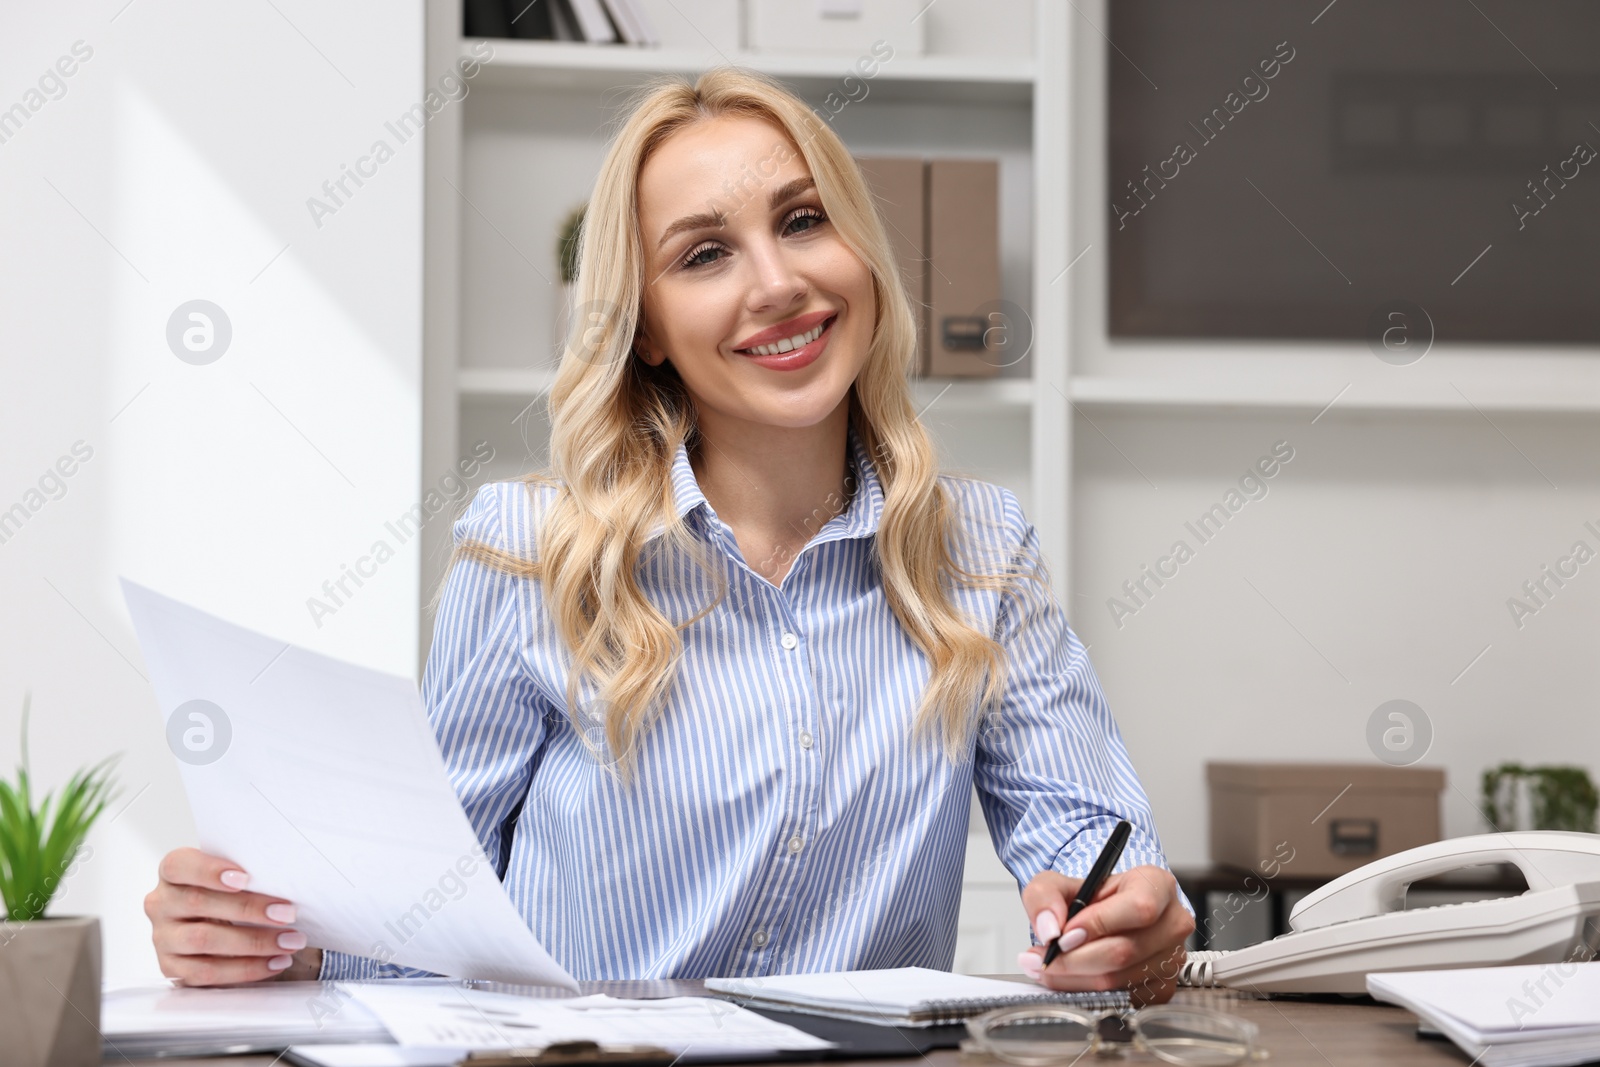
987 395
565 66
1152 395
522 148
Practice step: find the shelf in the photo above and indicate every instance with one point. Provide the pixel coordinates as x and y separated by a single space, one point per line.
512 384
972 394
1134 395
947 394
593 67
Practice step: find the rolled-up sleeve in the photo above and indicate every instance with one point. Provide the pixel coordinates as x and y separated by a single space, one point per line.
1052 773
483 702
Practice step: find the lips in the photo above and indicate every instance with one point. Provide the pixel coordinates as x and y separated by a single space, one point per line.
800 357
784 330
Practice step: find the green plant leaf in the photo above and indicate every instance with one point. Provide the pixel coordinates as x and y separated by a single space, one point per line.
37 845
1564 797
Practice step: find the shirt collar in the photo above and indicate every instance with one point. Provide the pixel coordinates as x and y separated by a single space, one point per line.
860 519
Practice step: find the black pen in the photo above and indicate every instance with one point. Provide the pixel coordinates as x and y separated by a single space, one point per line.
1091 885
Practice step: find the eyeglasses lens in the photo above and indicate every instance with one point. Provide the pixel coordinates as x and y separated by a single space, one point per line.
1196 1039
1040 1041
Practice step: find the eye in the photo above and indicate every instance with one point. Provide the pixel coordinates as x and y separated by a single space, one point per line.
816 216
692 260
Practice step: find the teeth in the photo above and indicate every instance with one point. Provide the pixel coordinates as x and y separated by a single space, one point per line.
788 344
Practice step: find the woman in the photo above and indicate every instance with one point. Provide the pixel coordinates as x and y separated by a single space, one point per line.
790 647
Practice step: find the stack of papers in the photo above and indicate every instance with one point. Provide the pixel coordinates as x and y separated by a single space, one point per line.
269 1016
424 1023
458 1019
897 996
1542 1015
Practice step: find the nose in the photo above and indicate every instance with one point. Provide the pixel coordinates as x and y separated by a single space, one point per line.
776 281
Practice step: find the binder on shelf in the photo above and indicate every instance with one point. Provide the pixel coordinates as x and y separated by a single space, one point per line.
963 249
485 18
529 20
563 20
622 17
898 187
649 36
593 23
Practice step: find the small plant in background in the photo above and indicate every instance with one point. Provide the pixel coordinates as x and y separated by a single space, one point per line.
1561 798
38 845
567 244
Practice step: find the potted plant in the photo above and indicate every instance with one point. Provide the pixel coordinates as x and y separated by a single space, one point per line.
1547 798
49 967
567 261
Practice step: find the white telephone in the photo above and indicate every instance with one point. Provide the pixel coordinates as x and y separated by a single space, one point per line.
1355 924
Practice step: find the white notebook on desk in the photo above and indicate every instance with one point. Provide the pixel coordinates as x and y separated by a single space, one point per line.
897 996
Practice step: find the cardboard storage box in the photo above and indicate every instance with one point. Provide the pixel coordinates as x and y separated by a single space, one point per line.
899 185
964 268
836 27
943 217
1315 820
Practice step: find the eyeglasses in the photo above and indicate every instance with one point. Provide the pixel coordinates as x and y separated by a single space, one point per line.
1056 1035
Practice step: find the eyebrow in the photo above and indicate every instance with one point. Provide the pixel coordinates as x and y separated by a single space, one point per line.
716 219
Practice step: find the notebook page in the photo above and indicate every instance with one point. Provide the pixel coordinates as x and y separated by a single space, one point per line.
895 990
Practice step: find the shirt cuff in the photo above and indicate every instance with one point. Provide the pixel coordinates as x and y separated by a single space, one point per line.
1077 865
344 967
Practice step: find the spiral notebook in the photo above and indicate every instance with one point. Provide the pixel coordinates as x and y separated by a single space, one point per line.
897 996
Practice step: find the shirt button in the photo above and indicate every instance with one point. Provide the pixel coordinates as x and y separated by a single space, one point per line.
795 844
790 640
805 738
759 938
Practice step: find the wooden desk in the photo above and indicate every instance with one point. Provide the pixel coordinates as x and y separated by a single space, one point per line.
1294 1032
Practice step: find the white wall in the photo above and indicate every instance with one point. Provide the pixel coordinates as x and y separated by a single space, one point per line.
1377 567
176 164
1381 560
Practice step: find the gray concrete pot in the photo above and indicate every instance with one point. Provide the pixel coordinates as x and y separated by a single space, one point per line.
50 992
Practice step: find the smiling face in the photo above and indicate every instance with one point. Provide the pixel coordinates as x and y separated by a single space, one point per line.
770 276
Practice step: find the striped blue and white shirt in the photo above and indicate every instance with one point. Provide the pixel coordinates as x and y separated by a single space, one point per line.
782 819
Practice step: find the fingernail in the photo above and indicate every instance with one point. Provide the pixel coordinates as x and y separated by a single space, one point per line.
280 913
278 963
1029 964
293 940
1046 925
235 879
1072 939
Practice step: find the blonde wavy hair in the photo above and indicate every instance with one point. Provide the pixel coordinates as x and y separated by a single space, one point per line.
616 423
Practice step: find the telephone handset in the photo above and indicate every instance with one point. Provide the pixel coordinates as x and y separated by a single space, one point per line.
1356 923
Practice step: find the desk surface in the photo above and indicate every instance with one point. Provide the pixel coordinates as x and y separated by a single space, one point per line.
1294 1032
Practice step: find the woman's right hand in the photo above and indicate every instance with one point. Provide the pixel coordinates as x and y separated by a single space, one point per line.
194 911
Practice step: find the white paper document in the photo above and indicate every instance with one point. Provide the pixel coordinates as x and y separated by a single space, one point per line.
1531 1015
457 1018
323 781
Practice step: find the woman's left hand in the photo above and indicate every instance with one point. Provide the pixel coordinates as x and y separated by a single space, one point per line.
1130 937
